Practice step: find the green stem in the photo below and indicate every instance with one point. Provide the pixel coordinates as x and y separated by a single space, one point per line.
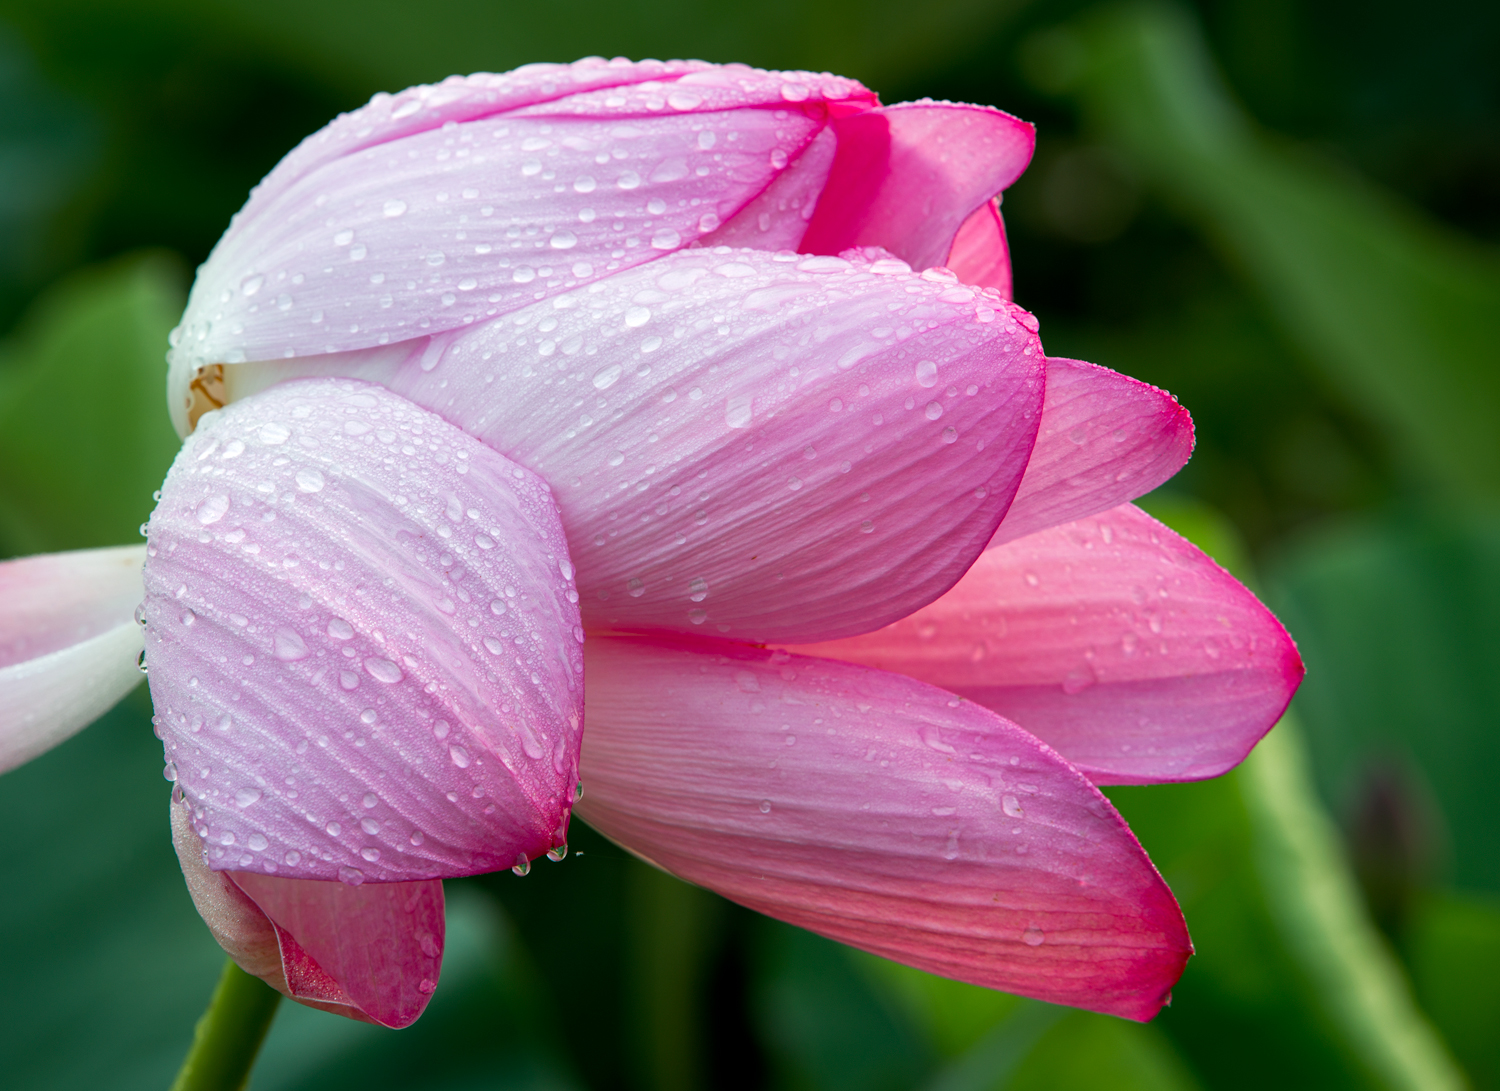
229 1034
1317 906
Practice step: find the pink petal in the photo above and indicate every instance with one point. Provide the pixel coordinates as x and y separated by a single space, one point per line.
1105 438
980 254
362 640
438 226
880 812
371 952
750 443
1112 639
68 644
906 177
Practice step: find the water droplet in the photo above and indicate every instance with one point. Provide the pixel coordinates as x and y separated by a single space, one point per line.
697 617
140 614
578 791
309 481
292 858
394 207
351 876
140 661
1033 936
189 618
765 806
288 645
637 316
523 865
557 853
1012 807
213 509
607 378
635 587
629 180
666 239
459 755
927 373
934 410
698 589
383 670
584 184
950 434
258 842
866 527
739 409
417 837
370 854
273 433
246 796
340 629
170 772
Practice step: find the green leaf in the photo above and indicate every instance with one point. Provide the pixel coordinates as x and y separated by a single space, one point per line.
1400 313
1455 958
84 435
1086 1052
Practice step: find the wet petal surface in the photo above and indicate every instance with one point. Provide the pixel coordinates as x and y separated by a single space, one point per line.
363 645
1113 639
880 812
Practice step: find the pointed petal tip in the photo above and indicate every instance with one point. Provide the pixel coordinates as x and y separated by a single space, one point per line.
880 812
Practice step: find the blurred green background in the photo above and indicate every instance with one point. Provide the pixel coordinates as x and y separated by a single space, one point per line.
1286 212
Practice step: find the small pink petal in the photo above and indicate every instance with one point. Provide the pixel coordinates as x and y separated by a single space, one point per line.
773 446
1105 438
880 812
1112 639
906 177
363 645
483 208
372 952
68 644
980 254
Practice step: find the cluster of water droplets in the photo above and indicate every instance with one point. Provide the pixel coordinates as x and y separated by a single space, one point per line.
364 642
728 393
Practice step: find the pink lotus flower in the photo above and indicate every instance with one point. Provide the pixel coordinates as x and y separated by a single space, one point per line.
718 367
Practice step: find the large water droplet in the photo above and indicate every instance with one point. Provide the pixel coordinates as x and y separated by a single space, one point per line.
1012 807
351 875
459 755
1033 936
274 433
309 481
288 645
394 207
246 796
213 509
927 373
383 670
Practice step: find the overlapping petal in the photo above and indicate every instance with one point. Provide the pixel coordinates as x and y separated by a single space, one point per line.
1105 438
880 812
372 952
981 254
68 644
363 642
906 177
502 195
1113 639
770 446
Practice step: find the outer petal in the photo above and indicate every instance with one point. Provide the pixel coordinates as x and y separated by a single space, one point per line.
1105 438
880 812
439 227
68 644
776 447
907 176
1111 638
980 253
363 647
371 952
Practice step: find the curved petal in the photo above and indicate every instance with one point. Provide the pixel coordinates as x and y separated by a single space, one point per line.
68 644
445 225
775 447
1105 438
1115 640
372 952
907 176
981 255
880 812
362 641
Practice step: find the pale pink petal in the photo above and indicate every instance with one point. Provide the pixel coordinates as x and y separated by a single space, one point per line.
1105 438
880 812
907 176
980 254
363 645
1112 639
68 644
445 225
774 447
372 952
777 219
